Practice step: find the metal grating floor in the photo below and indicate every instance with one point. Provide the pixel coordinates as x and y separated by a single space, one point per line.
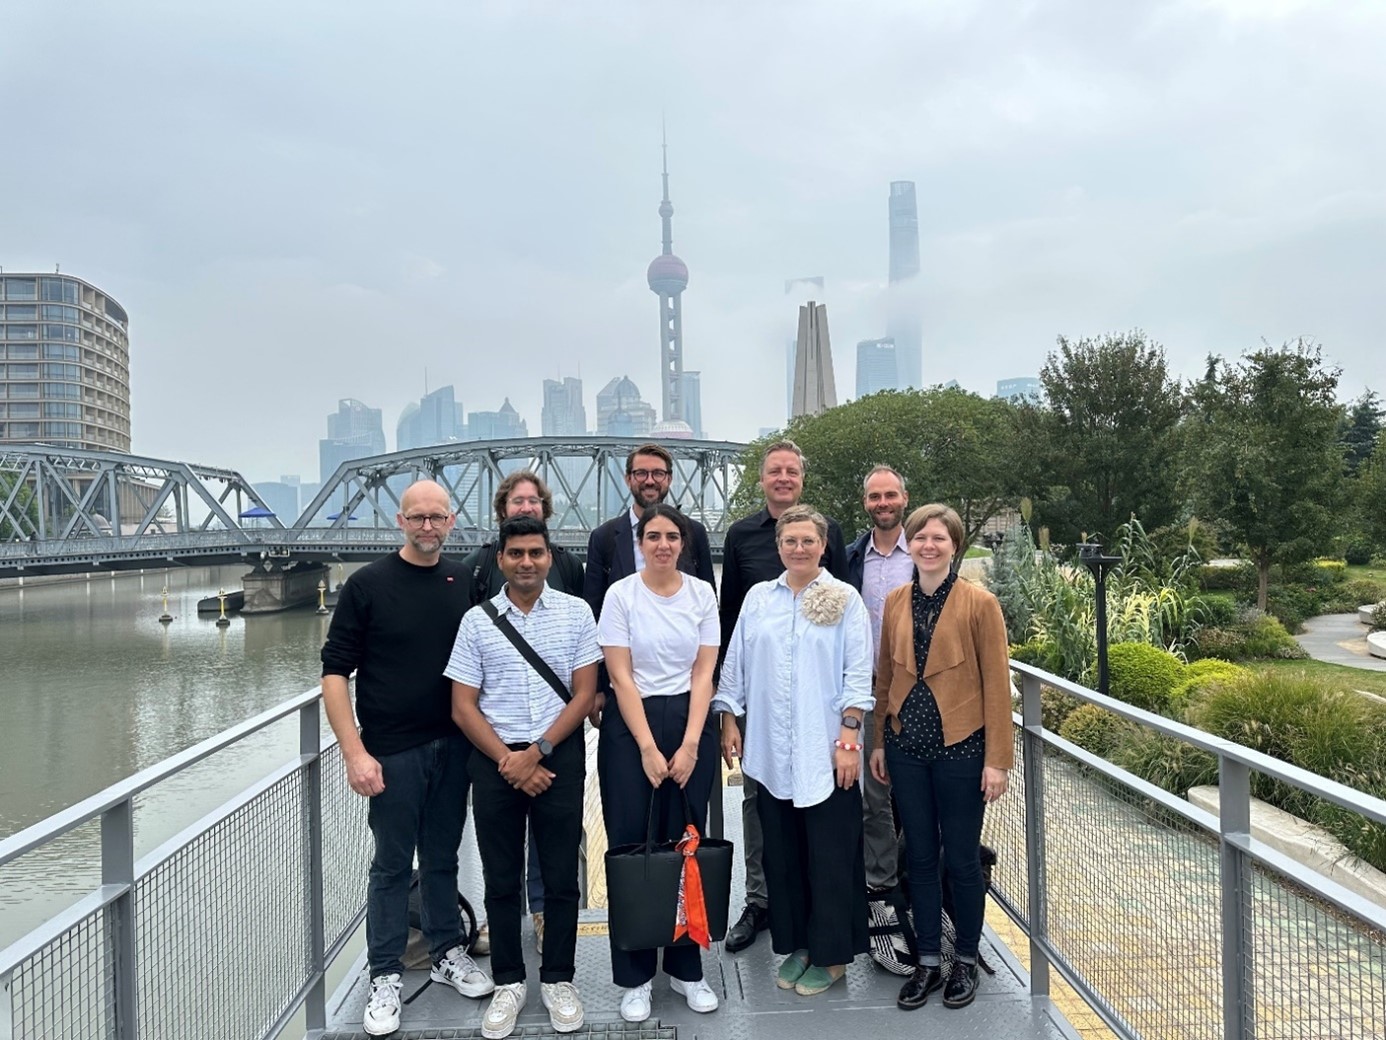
752 1005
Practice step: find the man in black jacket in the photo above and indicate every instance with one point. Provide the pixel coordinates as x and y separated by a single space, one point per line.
750 556
612 552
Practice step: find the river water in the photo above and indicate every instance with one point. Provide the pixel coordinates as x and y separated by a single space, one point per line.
93 689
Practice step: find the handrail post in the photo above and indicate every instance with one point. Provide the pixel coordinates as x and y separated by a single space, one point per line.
1234 820
7 1007
310 748
118 869
1032 756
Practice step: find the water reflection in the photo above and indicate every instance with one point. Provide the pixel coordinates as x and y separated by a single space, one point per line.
94 689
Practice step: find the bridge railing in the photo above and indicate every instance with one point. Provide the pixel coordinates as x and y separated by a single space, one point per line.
1168 920
1171 921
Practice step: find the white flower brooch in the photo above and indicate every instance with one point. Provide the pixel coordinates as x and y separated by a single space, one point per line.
824 604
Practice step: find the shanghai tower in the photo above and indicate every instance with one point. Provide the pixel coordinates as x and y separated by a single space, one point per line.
904 322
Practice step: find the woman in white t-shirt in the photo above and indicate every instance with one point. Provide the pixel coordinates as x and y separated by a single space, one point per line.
660 634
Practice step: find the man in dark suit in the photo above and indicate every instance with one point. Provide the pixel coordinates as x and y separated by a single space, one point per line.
612 550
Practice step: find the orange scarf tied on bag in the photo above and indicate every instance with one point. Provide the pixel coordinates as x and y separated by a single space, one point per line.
691 918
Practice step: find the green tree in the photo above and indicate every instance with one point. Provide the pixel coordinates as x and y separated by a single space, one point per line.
1371 496
950 445
1106 435
18 509
1268 459
1359 429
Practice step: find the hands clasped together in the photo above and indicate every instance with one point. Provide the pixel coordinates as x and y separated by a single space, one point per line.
679 767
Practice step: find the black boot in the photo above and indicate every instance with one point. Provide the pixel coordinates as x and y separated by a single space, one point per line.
962 985
915 992
754 920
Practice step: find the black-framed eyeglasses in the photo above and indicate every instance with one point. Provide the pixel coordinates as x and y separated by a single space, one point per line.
420 519
650 474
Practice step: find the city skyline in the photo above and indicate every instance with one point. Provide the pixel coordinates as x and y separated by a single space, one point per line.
1078 172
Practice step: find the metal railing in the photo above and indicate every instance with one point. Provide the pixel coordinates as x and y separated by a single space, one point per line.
226 929
1170 921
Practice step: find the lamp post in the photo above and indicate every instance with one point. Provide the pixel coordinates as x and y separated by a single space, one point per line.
222 621
165 618
322 596
1092 556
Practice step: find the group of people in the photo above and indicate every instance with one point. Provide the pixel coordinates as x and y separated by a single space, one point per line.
840 674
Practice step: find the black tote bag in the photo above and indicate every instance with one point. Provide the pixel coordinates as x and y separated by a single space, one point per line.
642 888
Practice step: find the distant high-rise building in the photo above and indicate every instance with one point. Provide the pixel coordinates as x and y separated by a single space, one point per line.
905 325
499 425
1023 387
353 432
436 419
563 414
668 278
815 389
876 366
67 381
622 412
693 402
812 286
282 498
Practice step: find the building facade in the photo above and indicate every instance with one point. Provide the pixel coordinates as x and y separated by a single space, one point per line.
876 366
64 364
1021 388
622 412
353 432
563 414
499 425
905 325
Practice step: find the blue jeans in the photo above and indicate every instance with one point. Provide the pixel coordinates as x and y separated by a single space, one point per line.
941 803
423 807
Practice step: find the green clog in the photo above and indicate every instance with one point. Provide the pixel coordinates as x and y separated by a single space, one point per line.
816 980
791 969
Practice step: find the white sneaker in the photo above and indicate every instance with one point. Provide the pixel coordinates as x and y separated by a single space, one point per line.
461 973
564 1004
382 1009
482 946
635 1003
698 994
499 1020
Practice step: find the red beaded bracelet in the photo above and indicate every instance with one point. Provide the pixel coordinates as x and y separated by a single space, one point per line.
848 747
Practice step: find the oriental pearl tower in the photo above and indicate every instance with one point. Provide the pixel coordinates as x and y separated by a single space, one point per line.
668 278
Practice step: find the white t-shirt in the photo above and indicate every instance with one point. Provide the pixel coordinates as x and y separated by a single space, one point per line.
663 633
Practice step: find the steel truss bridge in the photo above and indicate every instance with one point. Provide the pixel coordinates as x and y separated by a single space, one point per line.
65 511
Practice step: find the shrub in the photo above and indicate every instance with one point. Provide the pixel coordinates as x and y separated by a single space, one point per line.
1055 707
1143 675
1332 571
1292 604
1379 617
1358 592
1358 553
1227 644
1266 637
1199 677
1096 729
1239 578
1166 762
1218 611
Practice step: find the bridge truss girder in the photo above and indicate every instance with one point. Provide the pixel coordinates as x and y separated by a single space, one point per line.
585 474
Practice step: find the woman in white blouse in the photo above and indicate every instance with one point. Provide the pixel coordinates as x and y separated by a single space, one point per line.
660 634
799 668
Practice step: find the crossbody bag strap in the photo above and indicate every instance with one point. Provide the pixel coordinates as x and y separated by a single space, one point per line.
526 651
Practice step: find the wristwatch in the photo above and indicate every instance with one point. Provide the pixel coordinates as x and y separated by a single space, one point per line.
851 722
545 748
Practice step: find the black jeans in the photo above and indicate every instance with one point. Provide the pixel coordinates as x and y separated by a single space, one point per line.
941 803
423 807
626 798
501 813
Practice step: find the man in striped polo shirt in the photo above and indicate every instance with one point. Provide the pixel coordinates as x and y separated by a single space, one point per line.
529 763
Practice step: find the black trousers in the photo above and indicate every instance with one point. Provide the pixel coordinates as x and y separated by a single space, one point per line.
816 875
501 813
626 798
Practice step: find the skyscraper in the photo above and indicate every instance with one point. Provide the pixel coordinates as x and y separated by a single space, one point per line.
621 412
668 278
693 402
812 286
353 432
815 389
68 377
563 414
876 366
1020 388
499 425
904 324
436 419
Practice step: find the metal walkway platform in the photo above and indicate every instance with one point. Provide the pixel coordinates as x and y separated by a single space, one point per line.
752 1006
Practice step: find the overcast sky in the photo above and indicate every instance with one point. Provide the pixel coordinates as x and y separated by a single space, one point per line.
300 201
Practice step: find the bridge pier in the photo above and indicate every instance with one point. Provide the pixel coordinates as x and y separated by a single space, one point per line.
279 585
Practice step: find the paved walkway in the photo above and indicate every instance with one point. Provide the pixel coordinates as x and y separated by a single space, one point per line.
1339 639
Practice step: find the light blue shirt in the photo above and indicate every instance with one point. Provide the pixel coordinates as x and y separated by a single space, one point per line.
792 679
879 574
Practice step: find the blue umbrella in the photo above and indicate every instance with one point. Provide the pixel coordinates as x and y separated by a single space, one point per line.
257 513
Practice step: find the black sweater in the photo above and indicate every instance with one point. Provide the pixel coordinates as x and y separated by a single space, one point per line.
394 626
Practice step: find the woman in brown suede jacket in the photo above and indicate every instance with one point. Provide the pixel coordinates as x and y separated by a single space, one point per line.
943 740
